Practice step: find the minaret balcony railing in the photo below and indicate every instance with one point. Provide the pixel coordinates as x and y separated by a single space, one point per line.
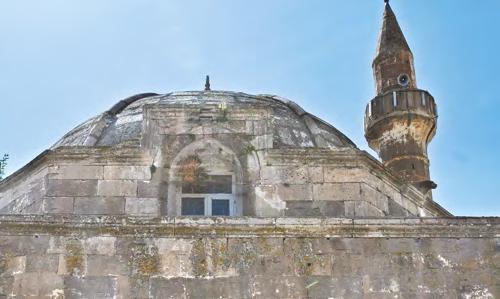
414 101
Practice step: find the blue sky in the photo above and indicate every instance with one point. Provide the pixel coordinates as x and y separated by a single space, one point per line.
62 62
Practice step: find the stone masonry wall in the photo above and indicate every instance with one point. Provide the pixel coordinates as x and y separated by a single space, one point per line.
115 257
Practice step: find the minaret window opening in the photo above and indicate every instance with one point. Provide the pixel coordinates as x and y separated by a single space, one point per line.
403 80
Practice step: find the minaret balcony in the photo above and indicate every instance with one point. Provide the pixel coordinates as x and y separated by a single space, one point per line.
399 103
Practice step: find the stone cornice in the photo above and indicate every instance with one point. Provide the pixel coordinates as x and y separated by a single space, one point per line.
182 227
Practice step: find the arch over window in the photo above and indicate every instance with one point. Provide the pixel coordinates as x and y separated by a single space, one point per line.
205 180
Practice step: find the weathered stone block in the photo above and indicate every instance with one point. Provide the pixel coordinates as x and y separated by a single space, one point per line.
366 209
349 209
148 189
42 263
58 205
267 204
315 208
375 198
140 287
6 284
23 245
127 172
262 141
410 206
144 260
102 245
260 127
99 205
305 261
34 207
56 245
123 289
333 208
220 287
395 209
117 188
339 174
76 172
321 287
272 265
171 263
316 174
170 288
292 174
142 206
14 265
183 246
288 192
70 188
38 285
90 287
101 265
74 260
301 208
347 287
340 192
348 264
278 287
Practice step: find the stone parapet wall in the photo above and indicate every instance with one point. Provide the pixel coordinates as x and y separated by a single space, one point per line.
131 257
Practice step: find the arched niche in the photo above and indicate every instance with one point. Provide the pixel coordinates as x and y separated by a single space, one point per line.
208 172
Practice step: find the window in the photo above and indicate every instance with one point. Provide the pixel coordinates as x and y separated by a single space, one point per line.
193 206
211 195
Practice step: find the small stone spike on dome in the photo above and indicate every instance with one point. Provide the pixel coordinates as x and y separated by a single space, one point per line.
207 83
391 37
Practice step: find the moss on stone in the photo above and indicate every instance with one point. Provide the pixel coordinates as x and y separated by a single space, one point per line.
199 259
304 259
219 258
75 258
248 150
144 260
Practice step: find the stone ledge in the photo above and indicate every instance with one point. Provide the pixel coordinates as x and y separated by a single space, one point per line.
184 227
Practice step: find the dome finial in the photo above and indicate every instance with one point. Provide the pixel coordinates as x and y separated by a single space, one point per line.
207 83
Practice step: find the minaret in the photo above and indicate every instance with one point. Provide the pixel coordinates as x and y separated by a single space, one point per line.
401 120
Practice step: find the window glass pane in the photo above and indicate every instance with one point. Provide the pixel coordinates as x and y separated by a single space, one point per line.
220 184
193 206
220 207
194 187
210 185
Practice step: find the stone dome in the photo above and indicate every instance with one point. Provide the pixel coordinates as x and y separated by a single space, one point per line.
291 126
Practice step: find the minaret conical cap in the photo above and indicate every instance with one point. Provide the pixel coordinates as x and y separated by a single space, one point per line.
391 39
